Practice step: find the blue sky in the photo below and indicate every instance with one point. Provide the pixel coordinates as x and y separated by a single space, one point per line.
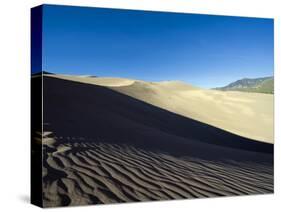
202 50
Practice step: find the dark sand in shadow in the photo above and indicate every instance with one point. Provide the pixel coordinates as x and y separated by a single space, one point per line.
107 147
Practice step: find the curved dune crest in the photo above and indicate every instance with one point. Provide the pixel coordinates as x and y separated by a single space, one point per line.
102 81
246 114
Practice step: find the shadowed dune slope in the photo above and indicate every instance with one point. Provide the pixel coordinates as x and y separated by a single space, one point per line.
101 146
78 109
246 114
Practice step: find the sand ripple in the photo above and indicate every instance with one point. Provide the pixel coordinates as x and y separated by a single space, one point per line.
95 172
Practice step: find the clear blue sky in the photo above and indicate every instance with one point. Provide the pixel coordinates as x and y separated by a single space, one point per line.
202 50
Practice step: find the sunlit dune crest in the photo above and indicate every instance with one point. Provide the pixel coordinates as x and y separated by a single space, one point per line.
245 114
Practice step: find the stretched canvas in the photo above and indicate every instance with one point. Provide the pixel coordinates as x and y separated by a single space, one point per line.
133 106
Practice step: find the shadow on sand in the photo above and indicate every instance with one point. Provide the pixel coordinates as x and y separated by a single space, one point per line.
73 109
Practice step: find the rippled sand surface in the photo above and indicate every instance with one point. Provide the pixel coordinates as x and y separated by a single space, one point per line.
82 171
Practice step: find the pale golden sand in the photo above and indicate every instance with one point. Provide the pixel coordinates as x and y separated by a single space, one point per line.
246 114
103 81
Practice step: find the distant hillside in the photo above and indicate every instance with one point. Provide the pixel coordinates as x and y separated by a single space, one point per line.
258 85
41 72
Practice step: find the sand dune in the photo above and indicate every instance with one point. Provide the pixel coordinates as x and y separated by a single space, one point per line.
102 146
246 114
103 81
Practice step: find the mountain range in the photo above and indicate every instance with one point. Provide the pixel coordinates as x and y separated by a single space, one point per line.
257 85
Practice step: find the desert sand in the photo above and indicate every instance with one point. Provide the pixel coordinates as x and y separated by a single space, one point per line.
90 172
246 114
126 141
